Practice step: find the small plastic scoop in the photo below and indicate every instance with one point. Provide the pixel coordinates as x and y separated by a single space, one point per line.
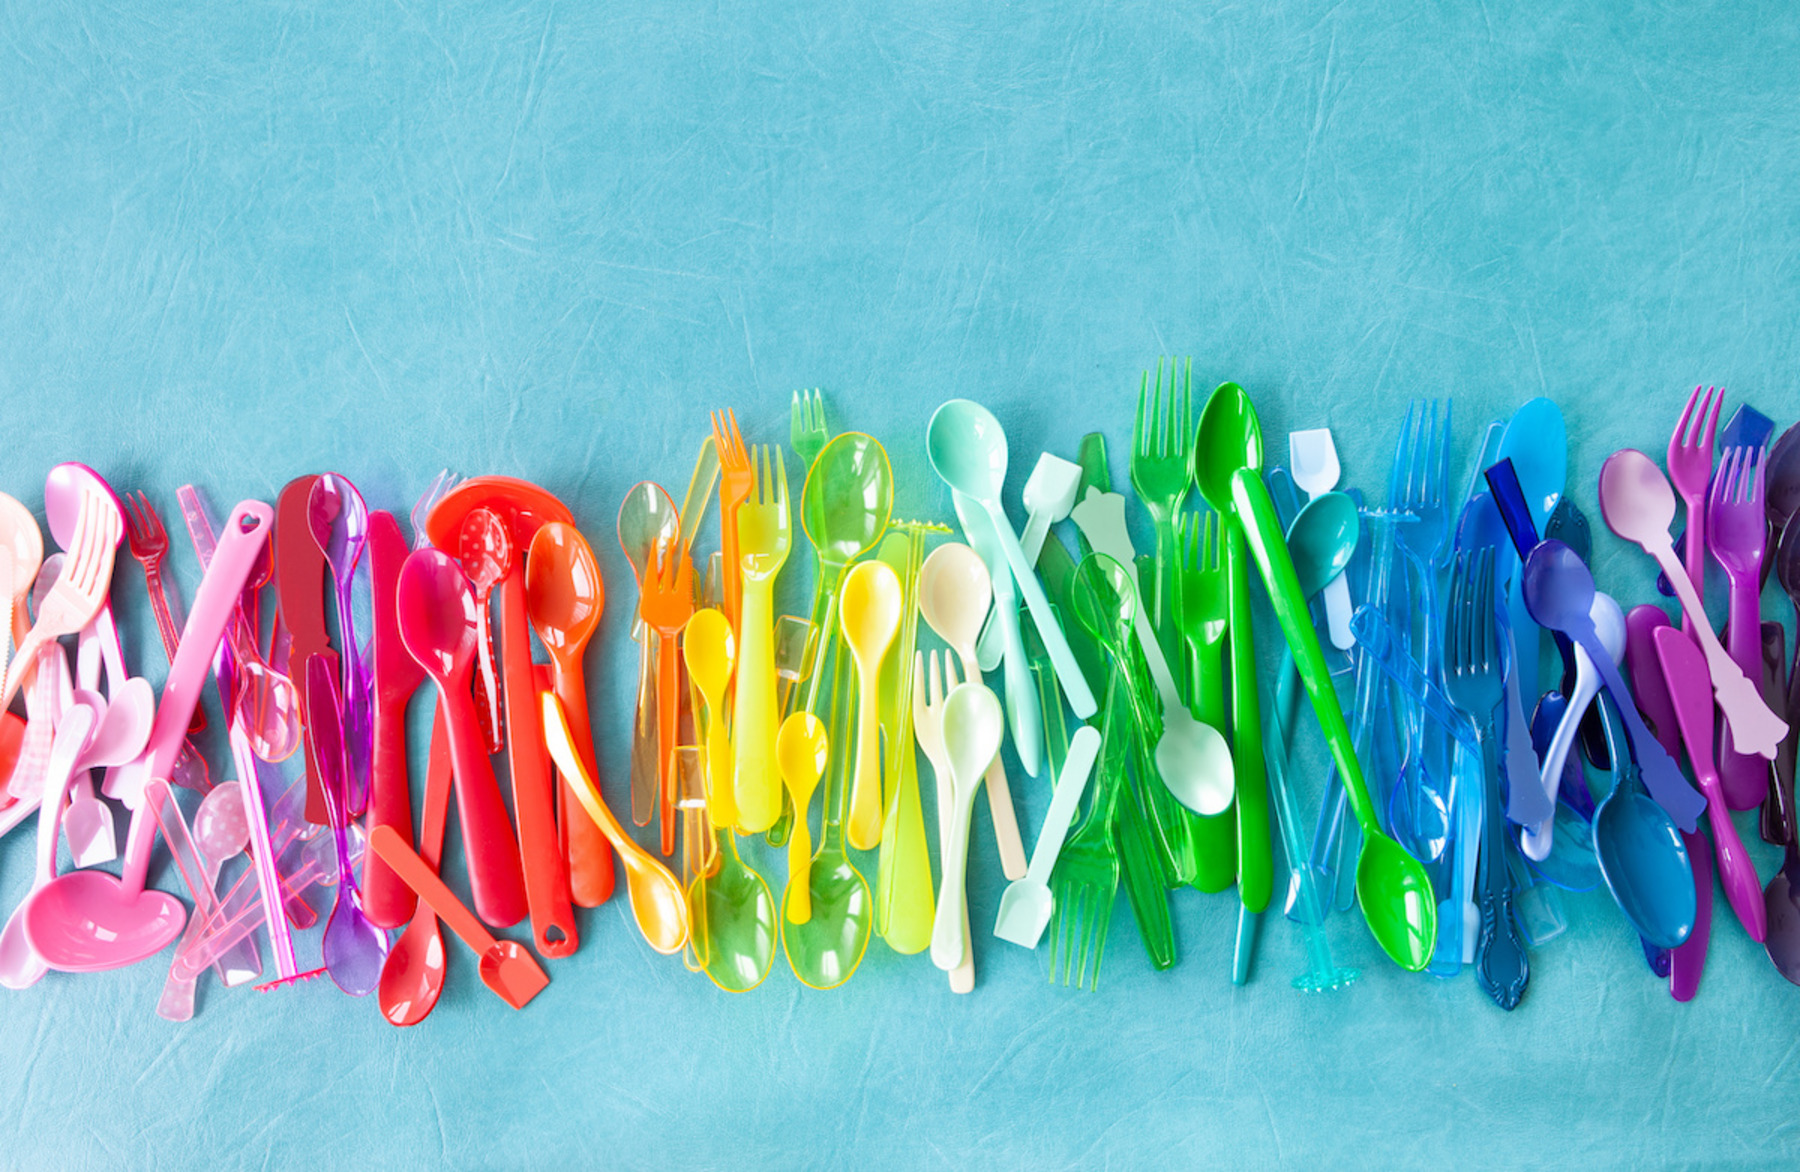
1050 493
506 967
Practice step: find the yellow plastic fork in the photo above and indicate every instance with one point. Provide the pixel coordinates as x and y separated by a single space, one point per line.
764 535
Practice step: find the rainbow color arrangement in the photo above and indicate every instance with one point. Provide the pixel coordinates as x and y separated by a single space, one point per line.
1459 808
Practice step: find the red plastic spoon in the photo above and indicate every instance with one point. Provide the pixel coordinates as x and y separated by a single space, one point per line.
506 967
413 976
437 624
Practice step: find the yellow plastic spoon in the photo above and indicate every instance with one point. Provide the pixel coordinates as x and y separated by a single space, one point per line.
710 649
869 610
657 901
801 748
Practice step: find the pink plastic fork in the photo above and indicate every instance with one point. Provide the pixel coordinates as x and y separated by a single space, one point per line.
1737 533
1690 469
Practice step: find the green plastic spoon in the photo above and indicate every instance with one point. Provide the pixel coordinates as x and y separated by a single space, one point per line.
1391 885
1230 437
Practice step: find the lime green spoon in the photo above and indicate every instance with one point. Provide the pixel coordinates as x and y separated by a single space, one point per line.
1391 885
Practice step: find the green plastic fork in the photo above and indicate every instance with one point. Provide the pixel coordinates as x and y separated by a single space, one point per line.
1162 439
1086 876
1200 606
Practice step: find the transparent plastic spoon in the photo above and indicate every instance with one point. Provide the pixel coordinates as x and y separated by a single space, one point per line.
354 948
340 524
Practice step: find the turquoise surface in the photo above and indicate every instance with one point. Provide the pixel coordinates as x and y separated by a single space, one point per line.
249 241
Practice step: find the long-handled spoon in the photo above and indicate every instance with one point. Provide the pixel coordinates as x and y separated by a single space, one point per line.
1638 504
647 521
340 524
565 596
437 623
657 902
20 965
967 449
354 948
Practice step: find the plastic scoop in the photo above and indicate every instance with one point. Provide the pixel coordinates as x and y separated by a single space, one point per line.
657 901
1026 904
967 449
506 967
869 611
1638 504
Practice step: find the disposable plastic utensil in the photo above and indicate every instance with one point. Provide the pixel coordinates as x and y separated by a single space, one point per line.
737 480
1391 885
870 614
1050 493
20 965
903 884
741 923
340 524
1022 712
1653 870
413 975
764 535
300 585
1026 904
967 449
709 649
79 592
844 510
1192 759
647 520
221 830
506 967
928 731
484 546
354 948
801 749
1313 463
954 588
825 951
1229 439
88 920
1560 592
666 604
437 624
20 536
149 544
1536 441
1684 670
565 596
124 722
1690 461
396 676
1609 627
973 726
1638 505
658 903
1781 898
1737 530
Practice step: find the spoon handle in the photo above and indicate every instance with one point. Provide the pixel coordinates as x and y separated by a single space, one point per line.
947 937
1068 672
754 776
423 880
496 880
1538 836
644 760
1084 747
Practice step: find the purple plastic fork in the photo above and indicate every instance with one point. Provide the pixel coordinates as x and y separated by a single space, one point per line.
1737 533
1690 470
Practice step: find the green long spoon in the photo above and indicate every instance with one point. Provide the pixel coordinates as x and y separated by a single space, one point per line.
1391 885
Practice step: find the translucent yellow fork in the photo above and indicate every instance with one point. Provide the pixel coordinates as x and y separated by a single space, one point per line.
764 535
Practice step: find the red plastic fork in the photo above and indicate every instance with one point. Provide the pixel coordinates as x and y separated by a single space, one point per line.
1690 469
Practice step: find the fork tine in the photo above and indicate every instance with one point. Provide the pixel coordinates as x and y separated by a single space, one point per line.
1165 410
1724 484
1441 482
1683 425
1711 420
1137 424
1489 625
1754 477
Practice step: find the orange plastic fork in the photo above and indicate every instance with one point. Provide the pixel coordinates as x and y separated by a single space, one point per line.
666 604
737 479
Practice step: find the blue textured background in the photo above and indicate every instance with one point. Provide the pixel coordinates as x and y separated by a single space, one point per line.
248 241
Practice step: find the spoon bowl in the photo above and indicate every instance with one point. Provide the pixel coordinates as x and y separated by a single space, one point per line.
738 910
87 921
967 448
437 615
221 824
869 613
1782 489
710 650
955 593
563 590
509 970
1397 901
1636 498
1322 540
801 752
1229 437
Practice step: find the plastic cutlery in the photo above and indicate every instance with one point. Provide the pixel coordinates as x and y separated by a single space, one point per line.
1026 904
484 546
1049 494
765 534
300 585
967 449
1023 714
1638 505
1737 530
973 726
354 948
340 524
869 611
647 520
397 675
1313 463
20 965
1609 626
413 975
506 967
1684 670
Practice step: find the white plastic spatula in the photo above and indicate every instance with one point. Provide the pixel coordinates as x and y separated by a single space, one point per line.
1049 495
1313 463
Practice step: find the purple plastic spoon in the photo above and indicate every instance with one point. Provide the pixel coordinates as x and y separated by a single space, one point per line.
354 948
1560 592
1684 670
340 524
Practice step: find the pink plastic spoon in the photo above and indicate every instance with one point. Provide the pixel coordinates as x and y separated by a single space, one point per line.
20 964
88 921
